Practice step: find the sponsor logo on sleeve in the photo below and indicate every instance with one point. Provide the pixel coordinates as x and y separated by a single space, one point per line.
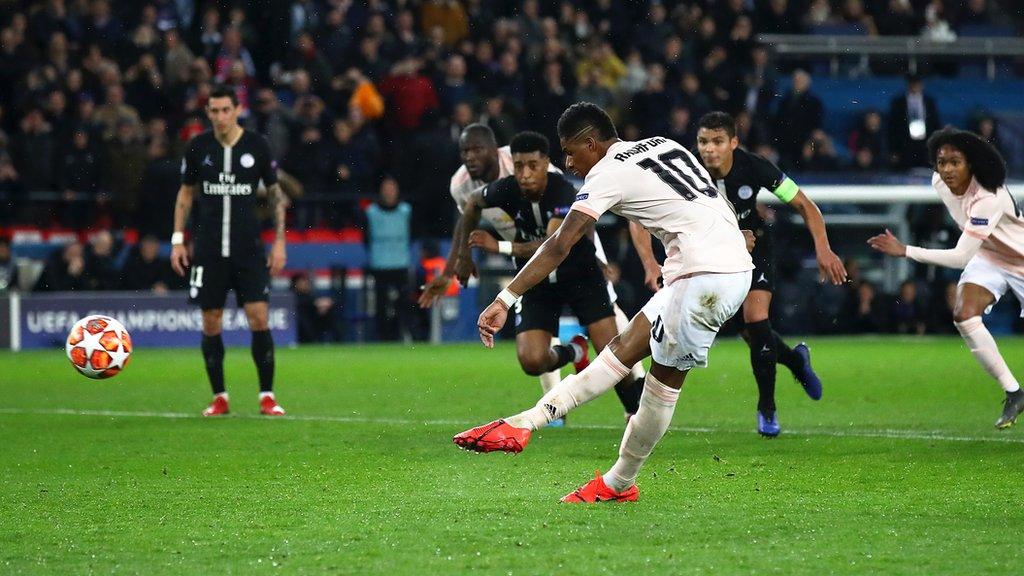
582 196
979 221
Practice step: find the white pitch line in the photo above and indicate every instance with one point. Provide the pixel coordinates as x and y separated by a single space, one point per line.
892 434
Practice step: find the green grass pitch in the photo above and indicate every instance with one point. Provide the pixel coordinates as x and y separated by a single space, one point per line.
898 469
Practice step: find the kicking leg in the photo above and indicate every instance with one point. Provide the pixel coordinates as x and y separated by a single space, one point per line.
627 389
513 433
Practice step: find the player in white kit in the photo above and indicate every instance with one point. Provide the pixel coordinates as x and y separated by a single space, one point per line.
659 184
483 163
970 177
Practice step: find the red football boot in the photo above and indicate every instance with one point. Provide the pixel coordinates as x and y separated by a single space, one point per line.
494 436
597 491
218 407
584 344
270 407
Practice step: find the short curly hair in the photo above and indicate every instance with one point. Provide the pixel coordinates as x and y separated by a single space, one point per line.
583 115
986 163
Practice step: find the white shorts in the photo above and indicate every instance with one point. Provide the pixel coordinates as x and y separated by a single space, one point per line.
996 280
686 315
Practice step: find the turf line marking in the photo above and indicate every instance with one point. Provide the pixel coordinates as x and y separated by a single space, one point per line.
893 434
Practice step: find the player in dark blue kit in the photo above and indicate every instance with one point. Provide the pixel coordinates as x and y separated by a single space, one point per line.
221 173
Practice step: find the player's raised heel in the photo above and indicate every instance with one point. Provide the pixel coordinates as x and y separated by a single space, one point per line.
1013 405
768 426
806 375
597 491
497 436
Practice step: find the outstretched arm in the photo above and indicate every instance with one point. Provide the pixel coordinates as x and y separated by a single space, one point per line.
459 262
830 267
957 257
550 254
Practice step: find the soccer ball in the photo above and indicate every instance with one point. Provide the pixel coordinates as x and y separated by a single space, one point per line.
99 346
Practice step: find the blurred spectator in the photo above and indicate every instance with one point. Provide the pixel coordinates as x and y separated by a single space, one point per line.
912 117
900 20
866 143
145 269
115 112
450 17
936 23
453 88
100 264
34 152
777 17
975 13
909 313
305 56
865 313
79 180
500 123
388 234
818 154
365 98
123 166
799 114
985 126
271 120
8 267
177 58
409 95
316 315
160 182
650 108
680 126
351 170
853 13
65 270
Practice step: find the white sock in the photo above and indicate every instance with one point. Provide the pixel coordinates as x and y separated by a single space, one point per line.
983 347
223 395
621 322
266 394
575 390
643 431
549 380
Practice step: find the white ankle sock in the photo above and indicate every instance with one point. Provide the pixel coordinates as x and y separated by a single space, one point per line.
645 428
223 395
983 347
549 380
576 389
265 394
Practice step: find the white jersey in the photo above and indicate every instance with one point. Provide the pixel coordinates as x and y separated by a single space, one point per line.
659 184
990 216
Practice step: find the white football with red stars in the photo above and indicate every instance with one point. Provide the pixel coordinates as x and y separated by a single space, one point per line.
99 346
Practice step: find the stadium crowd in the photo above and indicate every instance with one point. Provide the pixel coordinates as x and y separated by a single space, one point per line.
99 97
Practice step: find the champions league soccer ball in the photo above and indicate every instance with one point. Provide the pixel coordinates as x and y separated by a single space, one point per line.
99 346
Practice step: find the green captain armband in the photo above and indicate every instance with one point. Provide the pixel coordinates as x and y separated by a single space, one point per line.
787 190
